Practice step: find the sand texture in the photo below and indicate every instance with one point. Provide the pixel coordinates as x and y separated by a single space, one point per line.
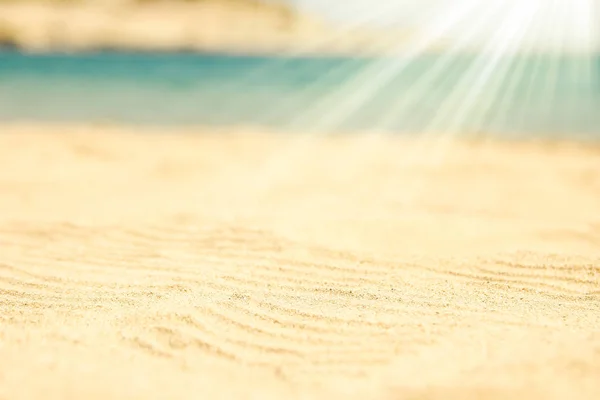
166 265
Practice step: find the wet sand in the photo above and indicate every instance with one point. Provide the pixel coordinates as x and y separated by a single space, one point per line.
247 264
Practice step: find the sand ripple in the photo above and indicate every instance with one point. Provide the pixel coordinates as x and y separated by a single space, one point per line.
122 278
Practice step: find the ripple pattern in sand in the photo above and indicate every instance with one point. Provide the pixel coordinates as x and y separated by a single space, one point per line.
250 297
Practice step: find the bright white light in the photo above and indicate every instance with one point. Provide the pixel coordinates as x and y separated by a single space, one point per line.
498 30
547 34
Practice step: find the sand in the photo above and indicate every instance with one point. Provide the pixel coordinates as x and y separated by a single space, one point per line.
247 264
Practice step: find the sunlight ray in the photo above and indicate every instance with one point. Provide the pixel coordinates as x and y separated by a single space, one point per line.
459 104
552 77
530 96
368 82
593 30
416 92
411 100
341 31
575 21
573 50
495 88
593 27
348 66
374 78
504 42
485 93
274 66
582 72
504 108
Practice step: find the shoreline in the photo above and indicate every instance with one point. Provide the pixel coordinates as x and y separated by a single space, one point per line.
467 138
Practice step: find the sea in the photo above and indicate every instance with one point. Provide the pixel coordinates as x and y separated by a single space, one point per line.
518 95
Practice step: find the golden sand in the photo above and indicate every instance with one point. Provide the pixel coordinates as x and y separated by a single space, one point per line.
168 265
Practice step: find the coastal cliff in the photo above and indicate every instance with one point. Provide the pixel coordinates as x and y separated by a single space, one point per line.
247 26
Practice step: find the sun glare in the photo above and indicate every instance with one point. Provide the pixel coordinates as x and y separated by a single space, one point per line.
509 43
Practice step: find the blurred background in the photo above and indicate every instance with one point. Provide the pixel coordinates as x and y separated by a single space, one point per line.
508 67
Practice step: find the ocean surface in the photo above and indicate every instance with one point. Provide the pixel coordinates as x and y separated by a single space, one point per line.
527 95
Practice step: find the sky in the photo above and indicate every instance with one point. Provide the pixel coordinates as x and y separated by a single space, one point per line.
555 24
385 12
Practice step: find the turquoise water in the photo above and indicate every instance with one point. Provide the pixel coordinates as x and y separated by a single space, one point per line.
522 95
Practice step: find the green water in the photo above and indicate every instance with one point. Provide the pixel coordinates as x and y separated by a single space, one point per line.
521 95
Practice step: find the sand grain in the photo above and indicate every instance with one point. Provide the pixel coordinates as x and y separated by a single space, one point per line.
175 266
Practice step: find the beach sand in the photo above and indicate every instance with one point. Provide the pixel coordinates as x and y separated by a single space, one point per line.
247 264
